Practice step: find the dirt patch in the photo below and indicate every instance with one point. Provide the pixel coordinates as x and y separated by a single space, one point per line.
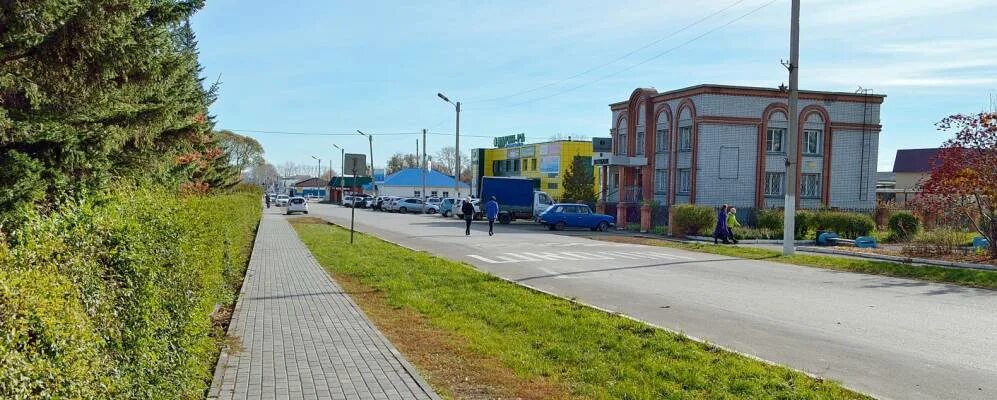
311 221
443 358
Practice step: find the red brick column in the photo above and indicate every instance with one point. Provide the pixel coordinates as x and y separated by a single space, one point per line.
621 215
645 218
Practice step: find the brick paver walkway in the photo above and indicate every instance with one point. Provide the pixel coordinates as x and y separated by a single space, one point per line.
302 337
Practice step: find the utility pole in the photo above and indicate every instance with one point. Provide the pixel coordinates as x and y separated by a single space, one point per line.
370 138
789 218
342 178
423 166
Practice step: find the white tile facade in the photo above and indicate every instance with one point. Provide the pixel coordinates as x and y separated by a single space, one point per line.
727 152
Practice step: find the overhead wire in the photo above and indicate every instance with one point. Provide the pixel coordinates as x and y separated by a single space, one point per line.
614 61
645 61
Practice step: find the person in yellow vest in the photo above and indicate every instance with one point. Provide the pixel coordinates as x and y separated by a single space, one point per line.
732 223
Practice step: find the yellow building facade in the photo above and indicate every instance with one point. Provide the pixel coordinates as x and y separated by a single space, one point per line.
546 163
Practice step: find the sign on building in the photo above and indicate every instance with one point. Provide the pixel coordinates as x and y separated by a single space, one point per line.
356 164
602 149
511 140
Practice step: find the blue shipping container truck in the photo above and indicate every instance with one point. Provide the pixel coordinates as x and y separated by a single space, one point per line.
516 198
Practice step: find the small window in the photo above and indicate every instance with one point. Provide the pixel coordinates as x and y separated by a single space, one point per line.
685 138
811 142
810 185
533 164
515 165
552 185
418 193
621 143
508 165
660 181
773 183
640 143
432 193
446 194
616 180
661 139
684 180
773 140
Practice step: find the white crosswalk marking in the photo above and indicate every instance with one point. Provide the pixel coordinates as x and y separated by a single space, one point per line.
526 256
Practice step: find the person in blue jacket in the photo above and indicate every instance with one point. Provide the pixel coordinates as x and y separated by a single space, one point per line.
720 232
491 211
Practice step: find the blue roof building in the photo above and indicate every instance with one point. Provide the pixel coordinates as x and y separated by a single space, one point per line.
408 183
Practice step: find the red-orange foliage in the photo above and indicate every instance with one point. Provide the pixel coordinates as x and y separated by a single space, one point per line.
964 174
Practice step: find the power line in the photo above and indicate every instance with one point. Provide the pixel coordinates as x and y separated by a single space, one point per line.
320 133
614 61
645 61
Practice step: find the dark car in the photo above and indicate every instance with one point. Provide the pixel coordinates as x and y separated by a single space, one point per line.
567 215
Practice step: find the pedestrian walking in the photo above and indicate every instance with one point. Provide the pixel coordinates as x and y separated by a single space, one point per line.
732 223
268 200
720 232
491 211
467 209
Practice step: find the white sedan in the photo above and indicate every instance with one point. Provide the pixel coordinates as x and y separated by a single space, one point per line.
297 204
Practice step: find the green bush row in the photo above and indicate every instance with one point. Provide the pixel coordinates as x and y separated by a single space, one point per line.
846 224
691 219
113 298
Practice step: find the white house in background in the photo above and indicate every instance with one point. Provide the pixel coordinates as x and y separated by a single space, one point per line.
408 183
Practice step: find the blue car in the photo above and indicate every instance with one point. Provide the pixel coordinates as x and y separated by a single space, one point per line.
565 215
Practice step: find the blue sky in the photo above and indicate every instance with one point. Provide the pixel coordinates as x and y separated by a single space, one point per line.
337 66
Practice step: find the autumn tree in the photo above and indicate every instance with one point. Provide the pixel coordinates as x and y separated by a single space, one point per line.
244 152
963 177
400 161
579 180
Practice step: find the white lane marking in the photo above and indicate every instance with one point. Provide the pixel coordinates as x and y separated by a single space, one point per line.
554 274
488 260
586 255
552 256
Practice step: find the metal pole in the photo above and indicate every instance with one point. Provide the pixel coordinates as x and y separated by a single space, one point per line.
342 179
789 218
456 157
422 166
353 211
370 138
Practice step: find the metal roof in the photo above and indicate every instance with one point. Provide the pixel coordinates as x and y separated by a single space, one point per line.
914 160
413 177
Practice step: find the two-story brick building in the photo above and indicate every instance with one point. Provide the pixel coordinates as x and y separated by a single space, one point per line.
717 144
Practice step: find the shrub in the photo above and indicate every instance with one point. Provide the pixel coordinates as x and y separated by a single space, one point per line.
770 219
691 219
112 298
846 224
937 242
903 226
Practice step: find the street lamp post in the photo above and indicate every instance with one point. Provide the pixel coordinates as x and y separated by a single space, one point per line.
319 171
456 153
370 138
342 177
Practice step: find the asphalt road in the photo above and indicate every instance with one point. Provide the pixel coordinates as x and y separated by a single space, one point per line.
886 337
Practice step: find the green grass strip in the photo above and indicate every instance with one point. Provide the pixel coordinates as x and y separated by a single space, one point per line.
592 353
964 277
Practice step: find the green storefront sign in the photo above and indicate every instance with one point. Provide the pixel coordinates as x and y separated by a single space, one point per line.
511 140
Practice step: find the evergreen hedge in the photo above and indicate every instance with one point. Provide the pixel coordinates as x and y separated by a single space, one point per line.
691 219
113 298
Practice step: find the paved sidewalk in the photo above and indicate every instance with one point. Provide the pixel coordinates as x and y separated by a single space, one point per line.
302 337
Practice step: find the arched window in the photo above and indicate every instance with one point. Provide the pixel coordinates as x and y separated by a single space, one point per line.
775 135
661 132
813 135
621 137
685 130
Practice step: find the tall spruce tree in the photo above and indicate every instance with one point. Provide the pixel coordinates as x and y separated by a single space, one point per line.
579 180
99 91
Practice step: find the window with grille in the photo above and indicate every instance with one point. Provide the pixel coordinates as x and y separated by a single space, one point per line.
774 139
810 185
811 142
685 138
773 183
640 143
684 179
661 139
660 181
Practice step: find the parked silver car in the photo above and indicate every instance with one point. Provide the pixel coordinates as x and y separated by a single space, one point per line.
408 205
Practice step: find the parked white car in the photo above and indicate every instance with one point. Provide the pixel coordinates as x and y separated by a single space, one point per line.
348 201
459 205
282 200
297 204
390 204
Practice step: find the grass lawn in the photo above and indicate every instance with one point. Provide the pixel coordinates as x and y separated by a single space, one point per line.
964 277
475 335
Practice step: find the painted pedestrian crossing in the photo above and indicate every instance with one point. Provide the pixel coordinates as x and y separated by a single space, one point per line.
546 256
